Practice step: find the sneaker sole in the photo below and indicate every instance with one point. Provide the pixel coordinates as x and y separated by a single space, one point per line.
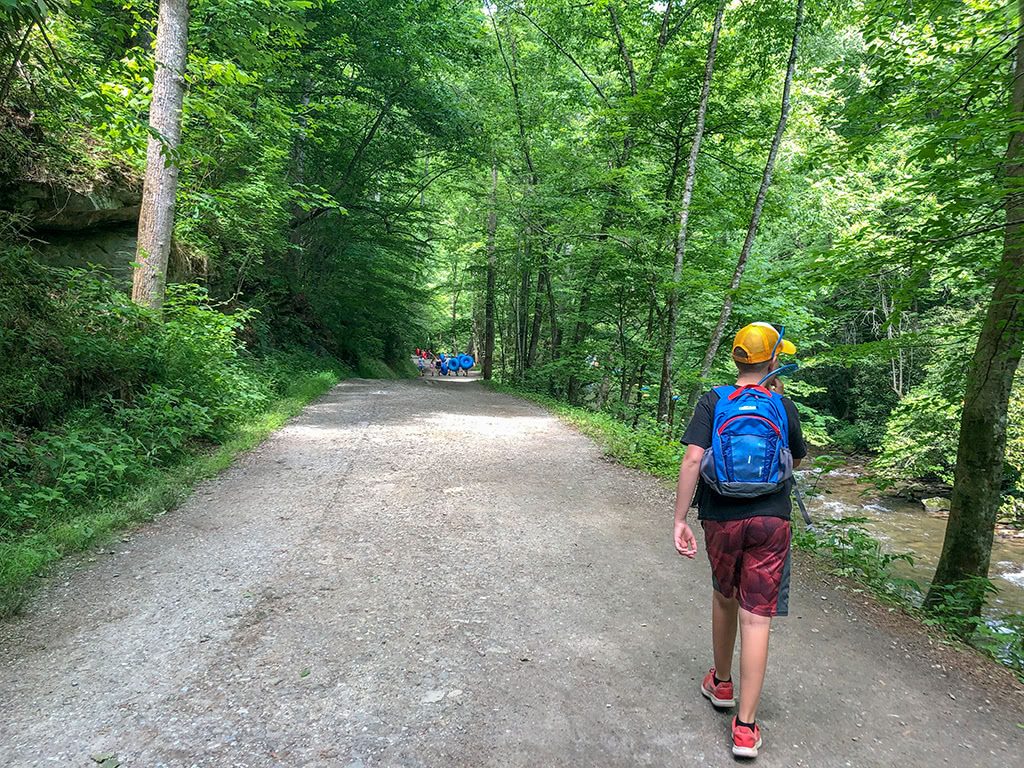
720 703
746 751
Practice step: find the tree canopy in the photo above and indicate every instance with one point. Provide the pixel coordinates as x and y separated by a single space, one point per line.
593 196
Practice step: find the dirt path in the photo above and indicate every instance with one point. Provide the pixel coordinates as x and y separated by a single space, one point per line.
428 574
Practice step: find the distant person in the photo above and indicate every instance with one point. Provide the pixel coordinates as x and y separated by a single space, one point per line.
741 447
421 363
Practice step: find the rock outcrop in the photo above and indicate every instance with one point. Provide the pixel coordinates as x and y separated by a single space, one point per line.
49 206
936 506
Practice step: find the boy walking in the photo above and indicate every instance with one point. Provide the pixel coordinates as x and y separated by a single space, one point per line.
742 445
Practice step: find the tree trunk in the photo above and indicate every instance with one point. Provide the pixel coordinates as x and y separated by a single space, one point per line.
511 333
582 327
295 239
967 547
156 217
476 332
15 63
755 218
523 311
538 310
602 393
620 339
623 51
492 226
455 321
552 315
665 391
641 373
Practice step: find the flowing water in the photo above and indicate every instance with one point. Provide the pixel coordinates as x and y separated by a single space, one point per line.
903 526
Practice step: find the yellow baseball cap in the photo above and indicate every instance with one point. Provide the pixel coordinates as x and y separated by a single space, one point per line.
754 344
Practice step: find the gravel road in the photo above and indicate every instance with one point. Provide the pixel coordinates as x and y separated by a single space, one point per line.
426 573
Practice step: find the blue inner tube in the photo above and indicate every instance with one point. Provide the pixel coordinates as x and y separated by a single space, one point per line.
466 362
444 368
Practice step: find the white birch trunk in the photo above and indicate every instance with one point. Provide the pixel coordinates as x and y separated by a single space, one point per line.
156 218
755 218
665 393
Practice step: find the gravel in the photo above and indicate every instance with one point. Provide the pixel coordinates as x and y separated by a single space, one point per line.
426 573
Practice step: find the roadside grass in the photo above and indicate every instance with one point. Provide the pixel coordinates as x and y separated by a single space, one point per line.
110 412
844 547
636 448
162 490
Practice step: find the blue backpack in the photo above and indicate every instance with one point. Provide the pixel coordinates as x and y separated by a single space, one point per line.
749 454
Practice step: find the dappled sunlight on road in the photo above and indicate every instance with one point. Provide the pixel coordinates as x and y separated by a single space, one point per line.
488 426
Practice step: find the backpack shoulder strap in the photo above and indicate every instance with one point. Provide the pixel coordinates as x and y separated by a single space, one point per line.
725 391
722 396
753 388
780 409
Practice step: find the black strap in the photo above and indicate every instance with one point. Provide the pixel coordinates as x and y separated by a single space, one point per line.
803 507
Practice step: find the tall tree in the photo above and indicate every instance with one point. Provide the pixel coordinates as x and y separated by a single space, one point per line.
492 269
755 217
156 218
619 163
529 339
665 394
981 452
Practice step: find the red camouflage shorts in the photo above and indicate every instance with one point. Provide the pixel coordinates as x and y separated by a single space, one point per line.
750 560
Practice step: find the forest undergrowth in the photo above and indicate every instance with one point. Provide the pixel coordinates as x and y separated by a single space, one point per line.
112 415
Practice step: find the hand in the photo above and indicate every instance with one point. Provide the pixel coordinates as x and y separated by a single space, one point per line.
685 541
775 385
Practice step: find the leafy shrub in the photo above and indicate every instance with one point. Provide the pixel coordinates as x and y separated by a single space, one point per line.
858 555
66 337
856 438
956 602
855 553
98 392
1003 639
921 436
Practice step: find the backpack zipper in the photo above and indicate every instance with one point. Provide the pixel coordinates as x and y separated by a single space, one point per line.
750 416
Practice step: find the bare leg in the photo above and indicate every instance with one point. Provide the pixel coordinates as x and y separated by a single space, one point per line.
723 633
754 631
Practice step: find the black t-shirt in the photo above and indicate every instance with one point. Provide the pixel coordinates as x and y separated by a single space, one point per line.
711 505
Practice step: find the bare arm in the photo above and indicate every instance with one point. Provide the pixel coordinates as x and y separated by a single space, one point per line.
689 472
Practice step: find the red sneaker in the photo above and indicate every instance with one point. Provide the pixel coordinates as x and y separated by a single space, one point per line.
745 742
720 695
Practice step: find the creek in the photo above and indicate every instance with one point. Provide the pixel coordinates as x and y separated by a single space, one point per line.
902 525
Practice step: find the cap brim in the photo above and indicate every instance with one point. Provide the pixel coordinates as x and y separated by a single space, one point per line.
786 348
